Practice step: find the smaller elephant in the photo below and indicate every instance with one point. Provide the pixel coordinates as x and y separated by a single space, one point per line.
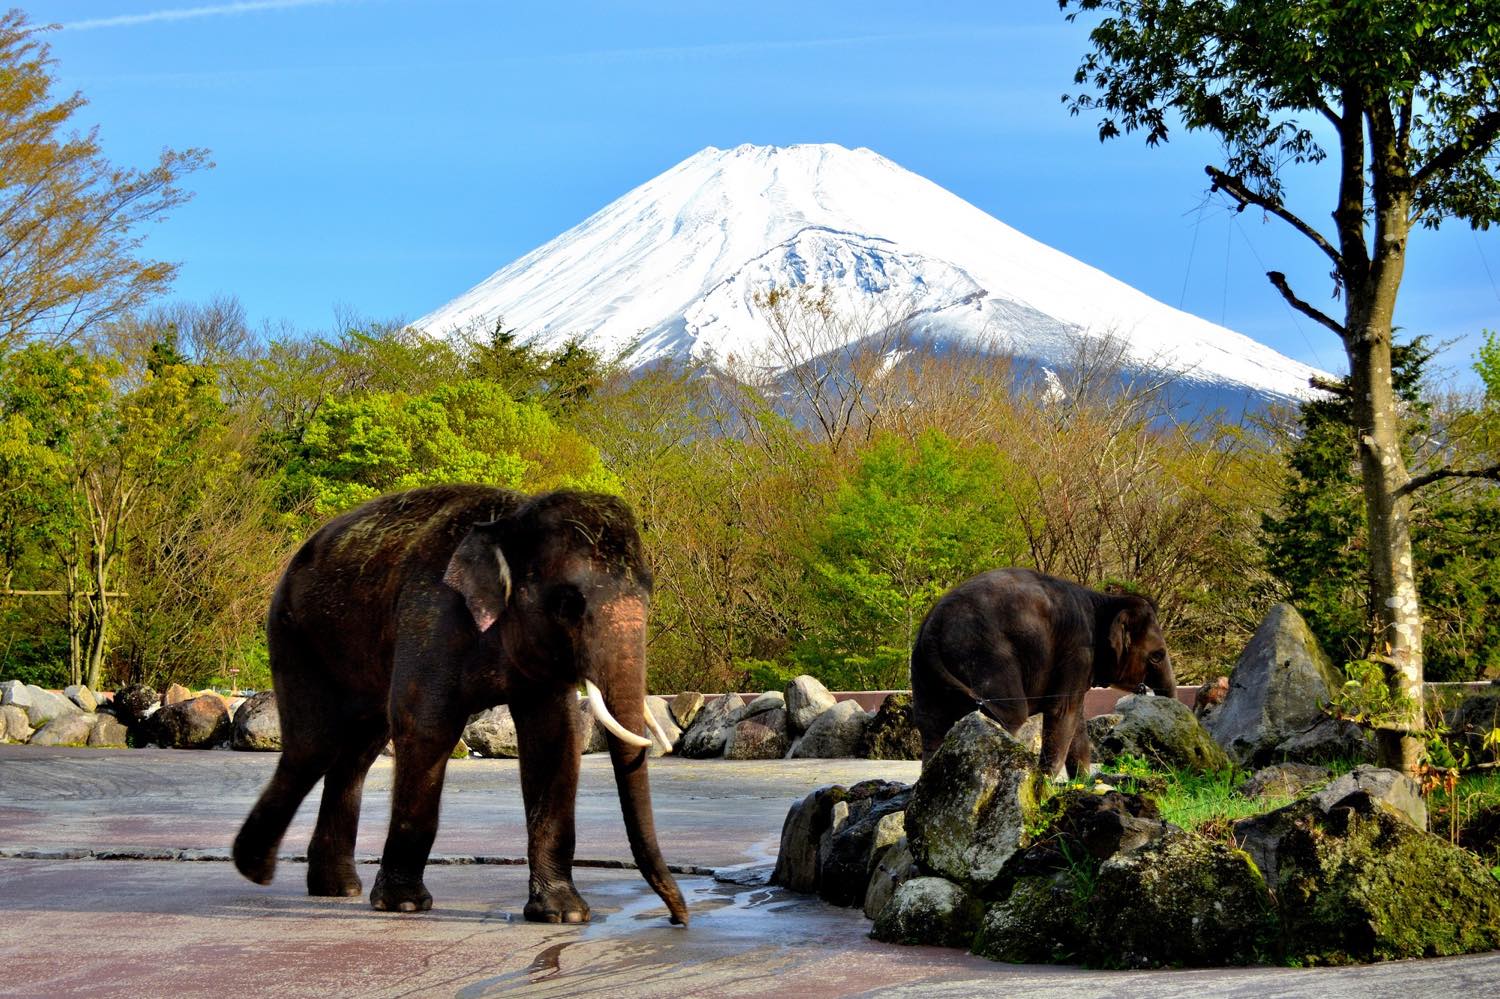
1015 642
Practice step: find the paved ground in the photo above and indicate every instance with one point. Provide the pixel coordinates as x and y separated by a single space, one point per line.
75 925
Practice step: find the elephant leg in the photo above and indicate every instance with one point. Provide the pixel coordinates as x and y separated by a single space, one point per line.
549 750
1059 724
330 857
307 751
422 750
1078 753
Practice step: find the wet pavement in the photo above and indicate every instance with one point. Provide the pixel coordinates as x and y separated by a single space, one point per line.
187 925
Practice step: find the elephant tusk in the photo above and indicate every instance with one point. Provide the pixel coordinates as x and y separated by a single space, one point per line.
658 731
614 728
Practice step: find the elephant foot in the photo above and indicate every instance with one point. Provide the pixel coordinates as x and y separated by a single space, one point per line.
259 865
559 904
333 880
392 894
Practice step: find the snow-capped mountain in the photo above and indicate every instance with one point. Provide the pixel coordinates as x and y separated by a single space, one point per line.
678 266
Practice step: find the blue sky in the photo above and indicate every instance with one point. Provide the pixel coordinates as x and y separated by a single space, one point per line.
381 156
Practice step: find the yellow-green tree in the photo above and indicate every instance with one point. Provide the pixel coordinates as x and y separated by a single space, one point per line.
69 219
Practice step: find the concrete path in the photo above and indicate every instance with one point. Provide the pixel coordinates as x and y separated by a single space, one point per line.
75 925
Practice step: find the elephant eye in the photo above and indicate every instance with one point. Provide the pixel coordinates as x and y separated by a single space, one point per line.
1157 656
565 602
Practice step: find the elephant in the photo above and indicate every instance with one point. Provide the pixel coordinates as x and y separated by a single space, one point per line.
399 620
1014 642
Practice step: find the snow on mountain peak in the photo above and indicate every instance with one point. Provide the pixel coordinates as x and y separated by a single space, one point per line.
676 268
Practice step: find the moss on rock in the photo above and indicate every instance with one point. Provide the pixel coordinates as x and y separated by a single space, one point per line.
931 911
892 734
1362 885
1040 922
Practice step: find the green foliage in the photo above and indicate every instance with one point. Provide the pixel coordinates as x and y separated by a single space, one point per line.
471 431
913 520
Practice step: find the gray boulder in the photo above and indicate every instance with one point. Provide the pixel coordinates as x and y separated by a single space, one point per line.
762 737
1030 734
970 808
66 730
134 703
15 692
894 868
109 733
1282 780
771 700
257 724
710 730
892 734
802 834
1162 730
45 705
833 734
1038 922
685 707
590 733
1365 788
806 699
931 911
1475 715
849 851
1328 740
1277 690
200 722
15 726
492 733
661 711
81 696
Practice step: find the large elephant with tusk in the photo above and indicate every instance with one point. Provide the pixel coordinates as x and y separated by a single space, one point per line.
402 618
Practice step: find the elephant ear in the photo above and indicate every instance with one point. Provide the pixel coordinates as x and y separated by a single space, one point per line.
479 572
1119 638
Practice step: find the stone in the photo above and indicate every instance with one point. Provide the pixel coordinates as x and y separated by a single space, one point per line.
492 734
834 734
1162 731
460 751
893 868
257 724
930 911
1282 780
175 693
1039 922
1030 734
806 699
109 733
1082 823
590 733
892 734
1182 900
1366 788
661 711
45 706
1469 721
710 730
1278 689
197 723
771 700
81 696
802 834
1327 741
1391 789
16 693
1359 883
134 703
762 737
15 724
849 851
66 730
685 707
970 809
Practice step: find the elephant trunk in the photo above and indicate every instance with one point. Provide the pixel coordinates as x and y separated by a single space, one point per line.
635 800
622 638
1163 679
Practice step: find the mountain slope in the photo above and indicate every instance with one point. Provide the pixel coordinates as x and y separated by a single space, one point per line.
676 268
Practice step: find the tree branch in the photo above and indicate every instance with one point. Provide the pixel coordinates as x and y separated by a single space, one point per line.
1427 479
1485 131
1244 196
1278 279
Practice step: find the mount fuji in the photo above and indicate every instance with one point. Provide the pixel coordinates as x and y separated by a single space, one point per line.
680 268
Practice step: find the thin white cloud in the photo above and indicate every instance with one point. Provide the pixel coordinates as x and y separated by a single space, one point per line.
189 13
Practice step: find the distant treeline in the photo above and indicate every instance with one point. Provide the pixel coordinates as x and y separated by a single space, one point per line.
158 476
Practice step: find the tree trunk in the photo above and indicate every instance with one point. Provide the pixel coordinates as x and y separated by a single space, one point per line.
1394 607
